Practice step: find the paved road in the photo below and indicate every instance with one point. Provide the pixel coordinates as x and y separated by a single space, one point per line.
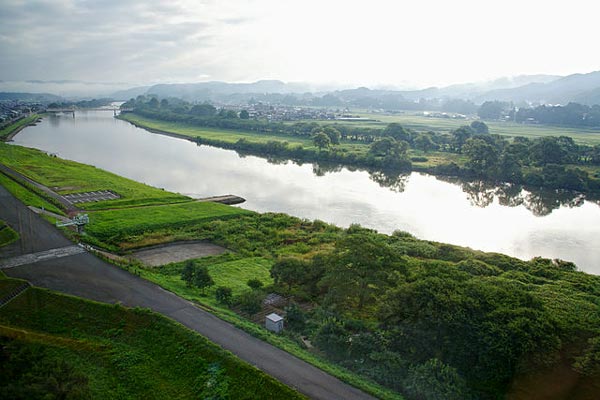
86 276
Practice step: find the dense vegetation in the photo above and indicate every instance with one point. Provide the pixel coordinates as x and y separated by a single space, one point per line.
94 103
573 114
551 162
61 347
428 320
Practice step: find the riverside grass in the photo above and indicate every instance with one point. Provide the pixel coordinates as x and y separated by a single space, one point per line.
7 130
119 223
66 176
132 353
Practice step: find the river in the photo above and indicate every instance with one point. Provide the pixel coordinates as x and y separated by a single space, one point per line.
505 219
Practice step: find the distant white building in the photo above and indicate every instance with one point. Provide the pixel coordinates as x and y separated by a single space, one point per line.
274 322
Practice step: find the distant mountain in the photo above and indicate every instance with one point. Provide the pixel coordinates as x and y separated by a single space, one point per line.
127 94
560 91
210 90
552 89
35 97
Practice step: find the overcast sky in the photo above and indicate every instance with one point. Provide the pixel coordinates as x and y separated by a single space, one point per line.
409 43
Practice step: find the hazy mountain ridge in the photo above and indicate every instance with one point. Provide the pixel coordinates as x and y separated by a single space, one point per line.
525 88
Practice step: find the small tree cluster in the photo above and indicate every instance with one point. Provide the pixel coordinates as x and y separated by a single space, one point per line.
196 276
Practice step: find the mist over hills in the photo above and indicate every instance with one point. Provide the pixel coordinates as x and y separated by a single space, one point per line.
524 89
532 89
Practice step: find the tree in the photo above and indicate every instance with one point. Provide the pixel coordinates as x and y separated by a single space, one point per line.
164 103
251 301
321 140
547 150
254 284
289 271
295 318
435 380
153 102
424 142
397 131
358 267
333 134
202 278
482 156
223 294
203 110
244 114
492 110
187 274
460 136
480 127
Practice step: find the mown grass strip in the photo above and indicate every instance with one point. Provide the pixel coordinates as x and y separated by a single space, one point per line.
64 176
130 221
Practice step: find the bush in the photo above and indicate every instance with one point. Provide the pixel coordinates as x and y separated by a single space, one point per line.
251 301
224 295
254 284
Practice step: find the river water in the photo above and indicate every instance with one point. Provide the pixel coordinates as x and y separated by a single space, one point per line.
504 219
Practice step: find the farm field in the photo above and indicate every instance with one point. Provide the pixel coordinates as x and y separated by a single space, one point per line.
420 123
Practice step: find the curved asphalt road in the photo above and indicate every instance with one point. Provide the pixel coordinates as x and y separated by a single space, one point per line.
84 275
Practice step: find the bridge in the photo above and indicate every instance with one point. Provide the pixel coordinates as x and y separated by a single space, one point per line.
73 109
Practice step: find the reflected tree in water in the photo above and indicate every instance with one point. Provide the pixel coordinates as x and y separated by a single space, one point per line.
394 181
539 202
323 169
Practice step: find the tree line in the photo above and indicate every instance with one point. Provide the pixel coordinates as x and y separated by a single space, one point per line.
551 162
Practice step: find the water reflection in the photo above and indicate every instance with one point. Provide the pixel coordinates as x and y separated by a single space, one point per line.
540 202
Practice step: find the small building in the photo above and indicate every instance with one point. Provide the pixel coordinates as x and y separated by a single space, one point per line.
274 322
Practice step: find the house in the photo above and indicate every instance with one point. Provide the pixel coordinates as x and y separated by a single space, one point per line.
274 322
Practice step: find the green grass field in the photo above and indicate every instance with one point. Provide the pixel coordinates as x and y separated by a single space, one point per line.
409 119
230 136
135 220
7 234
225 270
17 125
66 176
131 353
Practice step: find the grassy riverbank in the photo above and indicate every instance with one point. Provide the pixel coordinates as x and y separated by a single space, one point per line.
64 176
115 352
15 127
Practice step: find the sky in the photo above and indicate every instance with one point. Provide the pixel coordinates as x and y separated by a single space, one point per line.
411 44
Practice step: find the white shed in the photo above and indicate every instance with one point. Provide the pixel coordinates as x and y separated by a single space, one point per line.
274 322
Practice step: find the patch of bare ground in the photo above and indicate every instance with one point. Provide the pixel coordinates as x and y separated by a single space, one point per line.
176 252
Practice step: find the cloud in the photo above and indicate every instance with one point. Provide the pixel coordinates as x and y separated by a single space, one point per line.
427 42
104 41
